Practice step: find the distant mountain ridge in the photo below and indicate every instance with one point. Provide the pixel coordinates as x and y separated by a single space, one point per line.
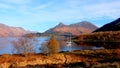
84 24
75 29
8 31
112 26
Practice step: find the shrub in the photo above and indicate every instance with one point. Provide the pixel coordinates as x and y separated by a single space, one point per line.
53 45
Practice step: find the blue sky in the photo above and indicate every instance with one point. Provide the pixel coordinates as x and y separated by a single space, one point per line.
40 15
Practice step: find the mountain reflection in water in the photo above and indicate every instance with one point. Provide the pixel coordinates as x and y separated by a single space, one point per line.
106 45
6 46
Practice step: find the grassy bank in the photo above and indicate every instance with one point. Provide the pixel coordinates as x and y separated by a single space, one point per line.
86 58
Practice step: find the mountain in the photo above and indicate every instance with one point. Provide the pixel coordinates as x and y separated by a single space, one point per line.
112 26
75 29
6 31
84 24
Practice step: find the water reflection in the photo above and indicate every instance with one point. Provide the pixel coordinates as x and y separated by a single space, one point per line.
107 45
64 47
6 46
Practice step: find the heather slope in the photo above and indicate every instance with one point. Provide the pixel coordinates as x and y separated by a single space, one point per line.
112 26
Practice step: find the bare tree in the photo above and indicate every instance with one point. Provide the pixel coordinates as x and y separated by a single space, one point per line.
23 45
44 48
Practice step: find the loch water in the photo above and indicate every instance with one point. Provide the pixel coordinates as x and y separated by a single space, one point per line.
6 47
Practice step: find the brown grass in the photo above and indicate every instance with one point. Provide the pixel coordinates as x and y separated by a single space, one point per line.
93 57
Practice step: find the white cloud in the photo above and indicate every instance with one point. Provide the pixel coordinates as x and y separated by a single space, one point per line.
68 9
43 6
17 1
77 9
62 10
108 9
5 6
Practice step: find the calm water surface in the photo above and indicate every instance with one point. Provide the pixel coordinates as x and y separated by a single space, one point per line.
6 47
